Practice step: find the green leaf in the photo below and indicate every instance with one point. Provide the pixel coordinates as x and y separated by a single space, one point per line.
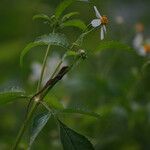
54 102
78 111
41 16
11 96
72 140
52 39
74 23
70 54
65 4
69 15
27 48
62 6
112 45
38 124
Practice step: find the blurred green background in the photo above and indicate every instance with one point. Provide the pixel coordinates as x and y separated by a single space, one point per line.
111 83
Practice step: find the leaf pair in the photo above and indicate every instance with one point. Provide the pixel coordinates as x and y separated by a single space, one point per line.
70 23
65 4
70 139
57 21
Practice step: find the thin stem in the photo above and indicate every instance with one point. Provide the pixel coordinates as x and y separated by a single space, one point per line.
34 105
24 126
43 68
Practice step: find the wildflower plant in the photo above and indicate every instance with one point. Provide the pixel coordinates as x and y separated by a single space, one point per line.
74 53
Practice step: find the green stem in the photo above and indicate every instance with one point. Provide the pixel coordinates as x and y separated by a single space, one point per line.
24 126
43 68
34 105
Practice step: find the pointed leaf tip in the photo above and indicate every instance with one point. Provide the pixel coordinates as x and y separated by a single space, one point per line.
72 140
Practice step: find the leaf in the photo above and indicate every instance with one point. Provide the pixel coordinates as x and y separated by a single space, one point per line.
62 6
69 15
65 4
71 53
72 140
27 48
52 39
54 102
38 124
74 23
112 45
10 96
78 111
41 16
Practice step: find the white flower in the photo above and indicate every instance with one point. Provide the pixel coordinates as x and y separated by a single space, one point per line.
141 45
51 64
36 71
138 40
100 21
138 44
141 51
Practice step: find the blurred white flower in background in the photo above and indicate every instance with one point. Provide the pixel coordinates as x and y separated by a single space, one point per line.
51 64
100 21
141 45
138 44
36 70
119 19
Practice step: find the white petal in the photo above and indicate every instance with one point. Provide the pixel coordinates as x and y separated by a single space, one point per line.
141 51
96 22
104 28
138 41
97 12
102 34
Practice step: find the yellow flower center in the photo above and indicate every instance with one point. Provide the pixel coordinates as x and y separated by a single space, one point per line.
147 48
104 20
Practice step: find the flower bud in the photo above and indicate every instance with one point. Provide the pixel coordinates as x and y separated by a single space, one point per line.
82 54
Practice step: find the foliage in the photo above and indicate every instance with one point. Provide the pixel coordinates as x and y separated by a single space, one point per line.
105 98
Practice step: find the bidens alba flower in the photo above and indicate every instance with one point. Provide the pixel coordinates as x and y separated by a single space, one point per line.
100 21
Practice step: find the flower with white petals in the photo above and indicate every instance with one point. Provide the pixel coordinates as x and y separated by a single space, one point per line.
100 21
138 44
141 45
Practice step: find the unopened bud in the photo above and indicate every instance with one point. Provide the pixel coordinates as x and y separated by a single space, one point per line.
82 54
